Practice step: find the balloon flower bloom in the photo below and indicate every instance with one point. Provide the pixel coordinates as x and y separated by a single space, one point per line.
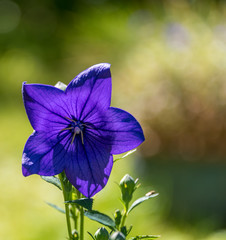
76 130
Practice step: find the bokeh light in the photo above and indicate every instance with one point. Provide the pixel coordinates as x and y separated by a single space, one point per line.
9 16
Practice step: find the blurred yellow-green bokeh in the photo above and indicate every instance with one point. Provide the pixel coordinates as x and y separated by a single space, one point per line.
168 69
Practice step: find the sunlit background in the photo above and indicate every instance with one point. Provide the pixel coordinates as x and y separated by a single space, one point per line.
169 70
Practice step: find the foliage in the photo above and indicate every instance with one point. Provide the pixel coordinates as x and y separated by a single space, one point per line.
118 228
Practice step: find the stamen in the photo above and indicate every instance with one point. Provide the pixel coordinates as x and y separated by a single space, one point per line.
70 119
87 126
73 138
82 138
66 129
77 129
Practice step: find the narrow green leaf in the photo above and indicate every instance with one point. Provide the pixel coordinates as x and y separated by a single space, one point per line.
53 180
142 199
87 203
148 237
91 235
127 154
101 218
56 207
129 230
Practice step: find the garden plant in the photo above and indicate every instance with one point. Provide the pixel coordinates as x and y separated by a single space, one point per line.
76 133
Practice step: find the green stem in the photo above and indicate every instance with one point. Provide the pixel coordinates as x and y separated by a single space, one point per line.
124 215
75 217
67 211
81 212
74 210
81 223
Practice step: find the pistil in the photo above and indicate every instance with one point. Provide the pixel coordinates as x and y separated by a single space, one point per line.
76 127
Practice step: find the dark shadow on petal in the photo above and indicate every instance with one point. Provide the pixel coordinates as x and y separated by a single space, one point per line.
42 156
119 129
88 165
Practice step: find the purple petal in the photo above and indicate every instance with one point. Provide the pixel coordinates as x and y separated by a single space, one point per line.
88 165
119 129
90 91
43 156
45 106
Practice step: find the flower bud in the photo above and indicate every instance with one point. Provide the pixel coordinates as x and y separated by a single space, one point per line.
117 217
61 86
75 234
101 234
127 185
117 236
124 230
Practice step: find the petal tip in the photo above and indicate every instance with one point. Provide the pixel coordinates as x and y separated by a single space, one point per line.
25 172
23 86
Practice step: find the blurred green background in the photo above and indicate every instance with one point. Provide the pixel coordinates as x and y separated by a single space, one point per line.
168 68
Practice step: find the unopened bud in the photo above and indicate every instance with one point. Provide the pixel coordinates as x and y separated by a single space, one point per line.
124 230
127 185
101 234
117 216
75 235
61 86
117 236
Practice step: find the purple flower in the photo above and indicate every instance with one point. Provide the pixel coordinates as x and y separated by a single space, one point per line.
77 131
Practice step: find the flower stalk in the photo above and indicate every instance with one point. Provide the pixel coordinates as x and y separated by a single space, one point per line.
81 223
124 216
81 212
67 211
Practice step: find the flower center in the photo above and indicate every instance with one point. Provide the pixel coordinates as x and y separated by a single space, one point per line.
76 127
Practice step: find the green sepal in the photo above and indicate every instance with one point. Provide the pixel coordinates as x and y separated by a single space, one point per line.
150 237
142 199
56 207
127 154
53 180
87 203
101 218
